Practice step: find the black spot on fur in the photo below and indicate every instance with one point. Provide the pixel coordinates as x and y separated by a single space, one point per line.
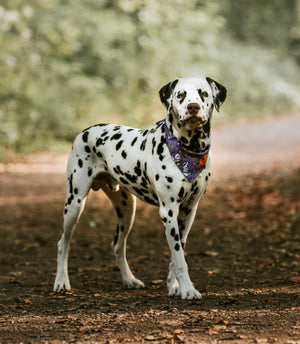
119 144
137 169
201 95
133 141
150 201
119 213
131 178
143 145
160 149
71 183
206 127
96 125
123 181
153 144
80 163
116 136
157 176
70 199
181 96
173 232
87 149
85 136
124 195
184 140
115 170
90 171
116 238
170 213
99 142
124 154
154 196
119 171
75 191
176 237
169 179
177 247
186 210
181 192
99 155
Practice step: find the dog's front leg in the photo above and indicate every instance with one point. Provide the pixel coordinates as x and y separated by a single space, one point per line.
185 220
169 218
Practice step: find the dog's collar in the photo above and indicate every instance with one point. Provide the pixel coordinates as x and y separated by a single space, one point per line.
190 163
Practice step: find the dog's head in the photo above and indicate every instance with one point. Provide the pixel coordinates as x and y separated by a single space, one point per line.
192 99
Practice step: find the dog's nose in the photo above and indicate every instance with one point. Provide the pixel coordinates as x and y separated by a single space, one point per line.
193 108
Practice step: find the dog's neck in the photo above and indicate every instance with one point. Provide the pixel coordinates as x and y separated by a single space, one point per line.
194 136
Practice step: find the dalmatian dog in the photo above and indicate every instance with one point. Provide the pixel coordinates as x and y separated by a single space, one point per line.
153 165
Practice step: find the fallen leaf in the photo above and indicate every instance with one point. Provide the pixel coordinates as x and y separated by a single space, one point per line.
155 282
212 331
222 322
270 302
261 340
234 301
210 253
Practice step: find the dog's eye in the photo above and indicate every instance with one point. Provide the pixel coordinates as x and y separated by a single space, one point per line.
181 95
203 94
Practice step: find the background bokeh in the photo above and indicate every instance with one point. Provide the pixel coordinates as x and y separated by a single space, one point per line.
65 65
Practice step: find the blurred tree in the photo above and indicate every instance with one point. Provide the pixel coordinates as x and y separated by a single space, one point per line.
67 64
265 22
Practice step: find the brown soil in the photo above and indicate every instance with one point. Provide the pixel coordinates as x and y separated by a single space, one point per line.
243 253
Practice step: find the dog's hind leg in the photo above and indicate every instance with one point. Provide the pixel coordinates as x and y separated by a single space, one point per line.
74 206
124 203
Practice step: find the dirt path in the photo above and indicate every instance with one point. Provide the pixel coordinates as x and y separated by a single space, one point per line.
243 253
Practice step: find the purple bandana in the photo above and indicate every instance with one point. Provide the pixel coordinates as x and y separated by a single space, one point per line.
190 163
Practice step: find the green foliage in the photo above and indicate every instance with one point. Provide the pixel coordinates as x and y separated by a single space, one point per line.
65 64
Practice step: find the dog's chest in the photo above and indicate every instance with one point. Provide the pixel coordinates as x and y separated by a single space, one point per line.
140 161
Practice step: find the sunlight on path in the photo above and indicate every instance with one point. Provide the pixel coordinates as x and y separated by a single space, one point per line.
256 147
237 149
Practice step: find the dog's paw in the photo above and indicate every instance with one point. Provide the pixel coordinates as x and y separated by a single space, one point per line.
61 283
133 283
173 287
190 294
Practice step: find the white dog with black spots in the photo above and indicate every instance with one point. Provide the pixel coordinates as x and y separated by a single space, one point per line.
150 164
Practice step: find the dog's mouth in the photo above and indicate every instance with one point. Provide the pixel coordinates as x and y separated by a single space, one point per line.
194 120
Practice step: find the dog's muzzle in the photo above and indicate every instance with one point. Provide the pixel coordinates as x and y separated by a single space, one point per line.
193 109
193 113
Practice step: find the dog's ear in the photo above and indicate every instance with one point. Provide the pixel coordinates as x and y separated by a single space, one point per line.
166 91
219 93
